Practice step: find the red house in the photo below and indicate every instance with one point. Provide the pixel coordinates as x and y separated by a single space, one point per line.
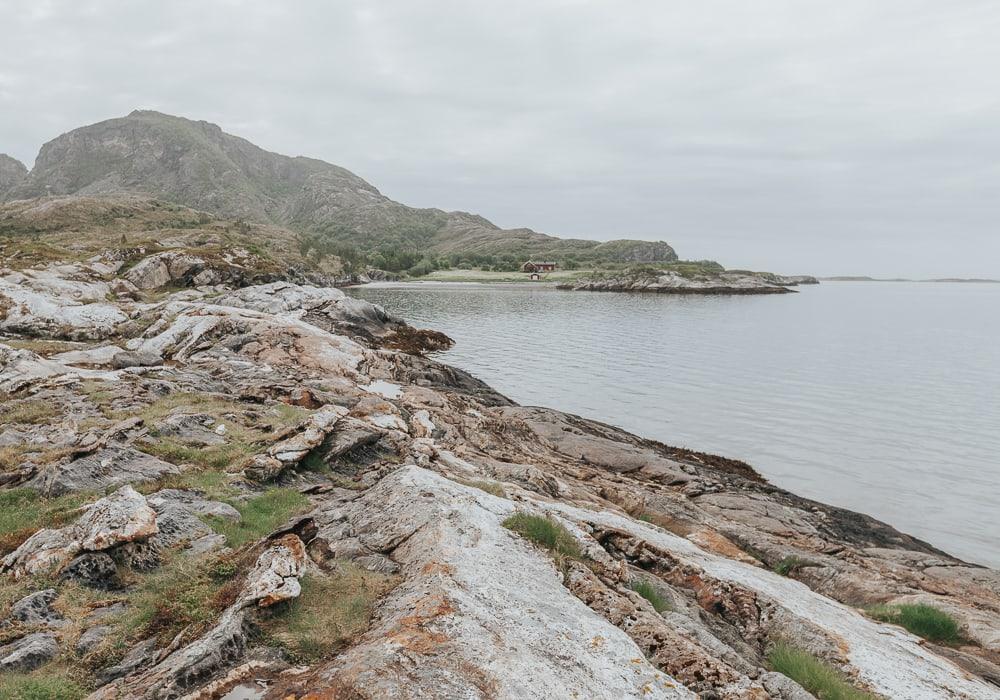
532 266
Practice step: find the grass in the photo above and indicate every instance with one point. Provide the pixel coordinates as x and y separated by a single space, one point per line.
44 684
210 457
545 532
818 677
42 346
184 591
649 592
22 511
331 611
791 564
491 487
922 620
260 516
31 412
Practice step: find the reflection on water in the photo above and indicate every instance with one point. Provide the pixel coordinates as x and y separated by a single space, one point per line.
879 397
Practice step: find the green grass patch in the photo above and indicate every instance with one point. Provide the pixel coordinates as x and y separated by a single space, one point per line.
649 592
818 677
44 684
22 511
210 457
261 516
545 532
331 611
922 620
789 565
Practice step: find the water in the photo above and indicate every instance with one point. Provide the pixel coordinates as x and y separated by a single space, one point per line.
879 397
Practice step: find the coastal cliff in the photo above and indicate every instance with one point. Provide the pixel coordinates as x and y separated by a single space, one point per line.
215 479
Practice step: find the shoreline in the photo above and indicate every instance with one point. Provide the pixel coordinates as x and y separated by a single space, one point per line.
418 477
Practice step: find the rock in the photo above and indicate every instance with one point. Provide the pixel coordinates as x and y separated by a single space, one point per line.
781 687
191 429
275 575
185 669
36 609
106 468
160 269
121 517
28 652
289 452
92 638
93 569
43 551
139 358
140 655
193 502
40 314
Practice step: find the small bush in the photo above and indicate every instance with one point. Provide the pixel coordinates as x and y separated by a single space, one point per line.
649 592
922 620
260 516
546 532
818 677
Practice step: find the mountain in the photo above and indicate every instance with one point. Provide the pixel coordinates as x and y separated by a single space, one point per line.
12 173
197 164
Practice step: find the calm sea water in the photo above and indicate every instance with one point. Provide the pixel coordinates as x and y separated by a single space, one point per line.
879 397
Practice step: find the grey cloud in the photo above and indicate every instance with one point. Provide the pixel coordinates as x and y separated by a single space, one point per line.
794 135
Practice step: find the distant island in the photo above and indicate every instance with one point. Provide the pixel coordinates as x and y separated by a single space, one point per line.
862 278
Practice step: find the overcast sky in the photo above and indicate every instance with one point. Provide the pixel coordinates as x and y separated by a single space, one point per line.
818 137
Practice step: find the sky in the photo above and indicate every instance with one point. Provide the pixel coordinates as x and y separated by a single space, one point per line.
848 137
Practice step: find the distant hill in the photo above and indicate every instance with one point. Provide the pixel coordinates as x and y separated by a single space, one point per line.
12 173
196 164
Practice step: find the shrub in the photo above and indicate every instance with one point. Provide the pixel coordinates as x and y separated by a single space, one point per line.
545 532
818 677
922 620
649 592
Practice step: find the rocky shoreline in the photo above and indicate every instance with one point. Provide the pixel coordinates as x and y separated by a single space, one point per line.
668 281
273 482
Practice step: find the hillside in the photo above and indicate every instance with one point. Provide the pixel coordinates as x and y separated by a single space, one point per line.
196 164
12 172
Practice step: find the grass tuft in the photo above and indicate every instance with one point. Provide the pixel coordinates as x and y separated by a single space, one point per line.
260 516
545 532
330 612
649 592
41 685
491 487
818 677
789 565
922 620
23 511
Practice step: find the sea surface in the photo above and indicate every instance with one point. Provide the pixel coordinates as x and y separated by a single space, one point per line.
879 397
